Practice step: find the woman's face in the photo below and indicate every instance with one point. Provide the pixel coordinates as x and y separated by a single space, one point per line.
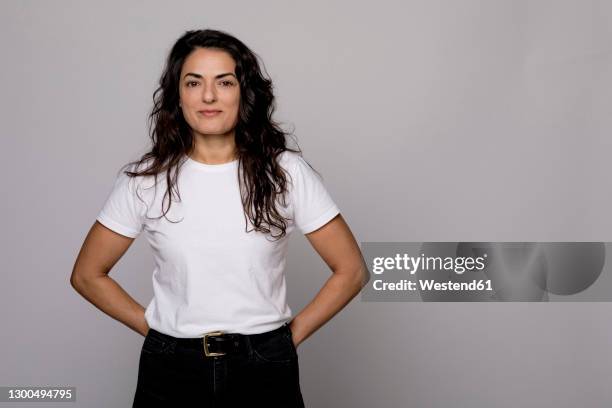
208 83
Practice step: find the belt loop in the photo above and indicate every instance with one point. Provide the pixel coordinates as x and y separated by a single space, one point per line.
249 345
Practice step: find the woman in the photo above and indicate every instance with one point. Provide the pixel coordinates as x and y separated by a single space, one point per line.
218 195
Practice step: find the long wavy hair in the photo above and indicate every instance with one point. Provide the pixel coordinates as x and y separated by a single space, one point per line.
259 139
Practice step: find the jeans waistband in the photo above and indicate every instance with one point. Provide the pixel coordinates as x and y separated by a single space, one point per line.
197 342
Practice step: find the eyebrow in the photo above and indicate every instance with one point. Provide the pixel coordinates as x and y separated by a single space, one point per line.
216 77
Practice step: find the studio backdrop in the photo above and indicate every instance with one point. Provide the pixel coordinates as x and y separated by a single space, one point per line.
430 121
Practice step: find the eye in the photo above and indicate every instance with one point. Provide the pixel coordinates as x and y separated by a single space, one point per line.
191 82
227 83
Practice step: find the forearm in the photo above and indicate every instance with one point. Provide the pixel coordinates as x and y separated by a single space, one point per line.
106 294
336 293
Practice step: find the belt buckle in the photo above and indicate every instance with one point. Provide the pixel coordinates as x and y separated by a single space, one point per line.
209 353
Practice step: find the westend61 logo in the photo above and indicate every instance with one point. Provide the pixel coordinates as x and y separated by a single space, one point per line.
405 262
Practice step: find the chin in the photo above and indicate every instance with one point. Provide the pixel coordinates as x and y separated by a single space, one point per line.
215 131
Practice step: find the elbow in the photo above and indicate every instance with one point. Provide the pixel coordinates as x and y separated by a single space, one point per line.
358 275
83 273
364 275
75 280
79 278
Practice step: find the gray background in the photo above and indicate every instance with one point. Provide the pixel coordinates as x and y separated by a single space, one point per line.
430 121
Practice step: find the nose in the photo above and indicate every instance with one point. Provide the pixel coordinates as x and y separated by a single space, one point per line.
209 94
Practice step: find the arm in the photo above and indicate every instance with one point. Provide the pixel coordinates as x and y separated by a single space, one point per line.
336 245
101 249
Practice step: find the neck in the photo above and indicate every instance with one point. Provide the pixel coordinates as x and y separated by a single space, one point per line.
214 149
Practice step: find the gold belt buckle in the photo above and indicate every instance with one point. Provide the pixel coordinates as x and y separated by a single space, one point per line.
209 353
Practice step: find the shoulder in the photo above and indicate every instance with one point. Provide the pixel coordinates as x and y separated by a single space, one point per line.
137 182
301 174
288 158
291 161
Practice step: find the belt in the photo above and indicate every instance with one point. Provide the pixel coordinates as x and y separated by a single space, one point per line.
219 343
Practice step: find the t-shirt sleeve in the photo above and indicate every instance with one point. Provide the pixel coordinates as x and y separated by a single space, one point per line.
313 206
123 212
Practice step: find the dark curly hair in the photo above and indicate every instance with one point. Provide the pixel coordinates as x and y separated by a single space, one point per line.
259 140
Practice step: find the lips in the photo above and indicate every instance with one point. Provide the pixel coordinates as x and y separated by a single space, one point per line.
209 112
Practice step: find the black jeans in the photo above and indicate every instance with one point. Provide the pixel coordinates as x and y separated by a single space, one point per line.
264 372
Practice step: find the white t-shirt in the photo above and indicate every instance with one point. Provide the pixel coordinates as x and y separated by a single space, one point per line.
210 274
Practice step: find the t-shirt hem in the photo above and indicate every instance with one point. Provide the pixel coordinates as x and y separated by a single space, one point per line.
321 220
118 228
155 324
